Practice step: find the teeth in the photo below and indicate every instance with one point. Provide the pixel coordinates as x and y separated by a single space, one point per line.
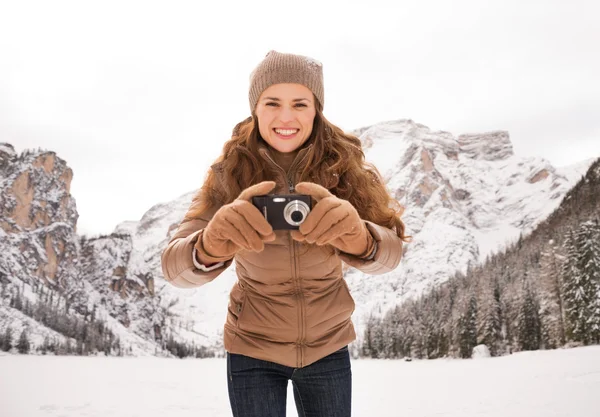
286 132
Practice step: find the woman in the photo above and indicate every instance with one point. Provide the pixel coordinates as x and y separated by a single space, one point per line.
289 315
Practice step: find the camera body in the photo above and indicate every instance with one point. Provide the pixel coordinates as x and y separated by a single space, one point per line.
284 211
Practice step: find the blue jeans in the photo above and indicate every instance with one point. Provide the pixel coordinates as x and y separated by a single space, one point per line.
258 388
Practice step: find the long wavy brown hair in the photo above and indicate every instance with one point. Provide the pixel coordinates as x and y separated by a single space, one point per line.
336 161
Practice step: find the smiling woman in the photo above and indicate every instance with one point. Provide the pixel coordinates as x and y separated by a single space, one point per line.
285 114
289 315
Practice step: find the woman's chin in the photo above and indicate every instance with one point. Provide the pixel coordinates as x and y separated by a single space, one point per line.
284 147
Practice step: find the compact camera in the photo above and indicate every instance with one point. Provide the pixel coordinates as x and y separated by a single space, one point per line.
283 212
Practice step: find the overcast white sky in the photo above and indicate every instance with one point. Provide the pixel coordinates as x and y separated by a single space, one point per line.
139 96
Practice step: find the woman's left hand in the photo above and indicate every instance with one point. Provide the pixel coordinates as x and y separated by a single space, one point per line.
332 221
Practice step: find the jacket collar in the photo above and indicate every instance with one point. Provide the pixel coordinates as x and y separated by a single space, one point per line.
264 151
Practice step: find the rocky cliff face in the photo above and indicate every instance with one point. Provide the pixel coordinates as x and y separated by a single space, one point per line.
37 217
39 246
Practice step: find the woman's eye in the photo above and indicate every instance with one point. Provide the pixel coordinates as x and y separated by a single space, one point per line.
274 104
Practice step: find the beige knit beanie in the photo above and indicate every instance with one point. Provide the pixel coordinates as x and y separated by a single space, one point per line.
278 68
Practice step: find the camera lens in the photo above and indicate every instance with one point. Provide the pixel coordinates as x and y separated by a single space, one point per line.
295 212
297 217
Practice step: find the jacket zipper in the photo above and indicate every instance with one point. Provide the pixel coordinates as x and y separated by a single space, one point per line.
285 174
300 341
295 278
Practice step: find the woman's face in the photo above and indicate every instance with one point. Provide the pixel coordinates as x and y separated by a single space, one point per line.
285 115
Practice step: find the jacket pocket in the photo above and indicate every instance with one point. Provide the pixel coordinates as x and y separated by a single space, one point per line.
240 307
237 302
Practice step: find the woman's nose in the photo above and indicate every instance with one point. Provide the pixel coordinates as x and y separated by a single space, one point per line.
286 114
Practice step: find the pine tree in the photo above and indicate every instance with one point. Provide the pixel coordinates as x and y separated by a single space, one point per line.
45 345
378 342
23 346
488 329
466 331
367 343
588 242
528 322
389 337
417 348
551 299
581 283
573 292
16 301
506 300
7 340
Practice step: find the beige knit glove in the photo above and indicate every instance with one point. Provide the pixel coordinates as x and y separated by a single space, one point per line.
237 225
333 221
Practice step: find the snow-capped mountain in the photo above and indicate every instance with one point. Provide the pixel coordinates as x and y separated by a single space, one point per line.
41 255
464 198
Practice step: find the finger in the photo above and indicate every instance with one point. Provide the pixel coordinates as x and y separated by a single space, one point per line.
296 235
250 237
317 213
253 217
257 189
316 191
269 238
329 220
339 229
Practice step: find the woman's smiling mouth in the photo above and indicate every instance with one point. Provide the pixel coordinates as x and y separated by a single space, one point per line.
286 133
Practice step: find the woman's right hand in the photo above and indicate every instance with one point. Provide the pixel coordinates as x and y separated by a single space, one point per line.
238 225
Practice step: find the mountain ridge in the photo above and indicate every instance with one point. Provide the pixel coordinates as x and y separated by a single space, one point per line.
465 198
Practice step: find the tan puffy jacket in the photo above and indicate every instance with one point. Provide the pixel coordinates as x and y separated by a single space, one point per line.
290 304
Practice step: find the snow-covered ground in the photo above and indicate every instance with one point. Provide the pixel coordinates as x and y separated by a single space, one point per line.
529 384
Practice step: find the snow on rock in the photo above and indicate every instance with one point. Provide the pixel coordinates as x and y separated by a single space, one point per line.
480 352
492 146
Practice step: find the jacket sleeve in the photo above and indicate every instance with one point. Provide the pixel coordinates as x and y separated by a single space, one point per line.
177 260
388 254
